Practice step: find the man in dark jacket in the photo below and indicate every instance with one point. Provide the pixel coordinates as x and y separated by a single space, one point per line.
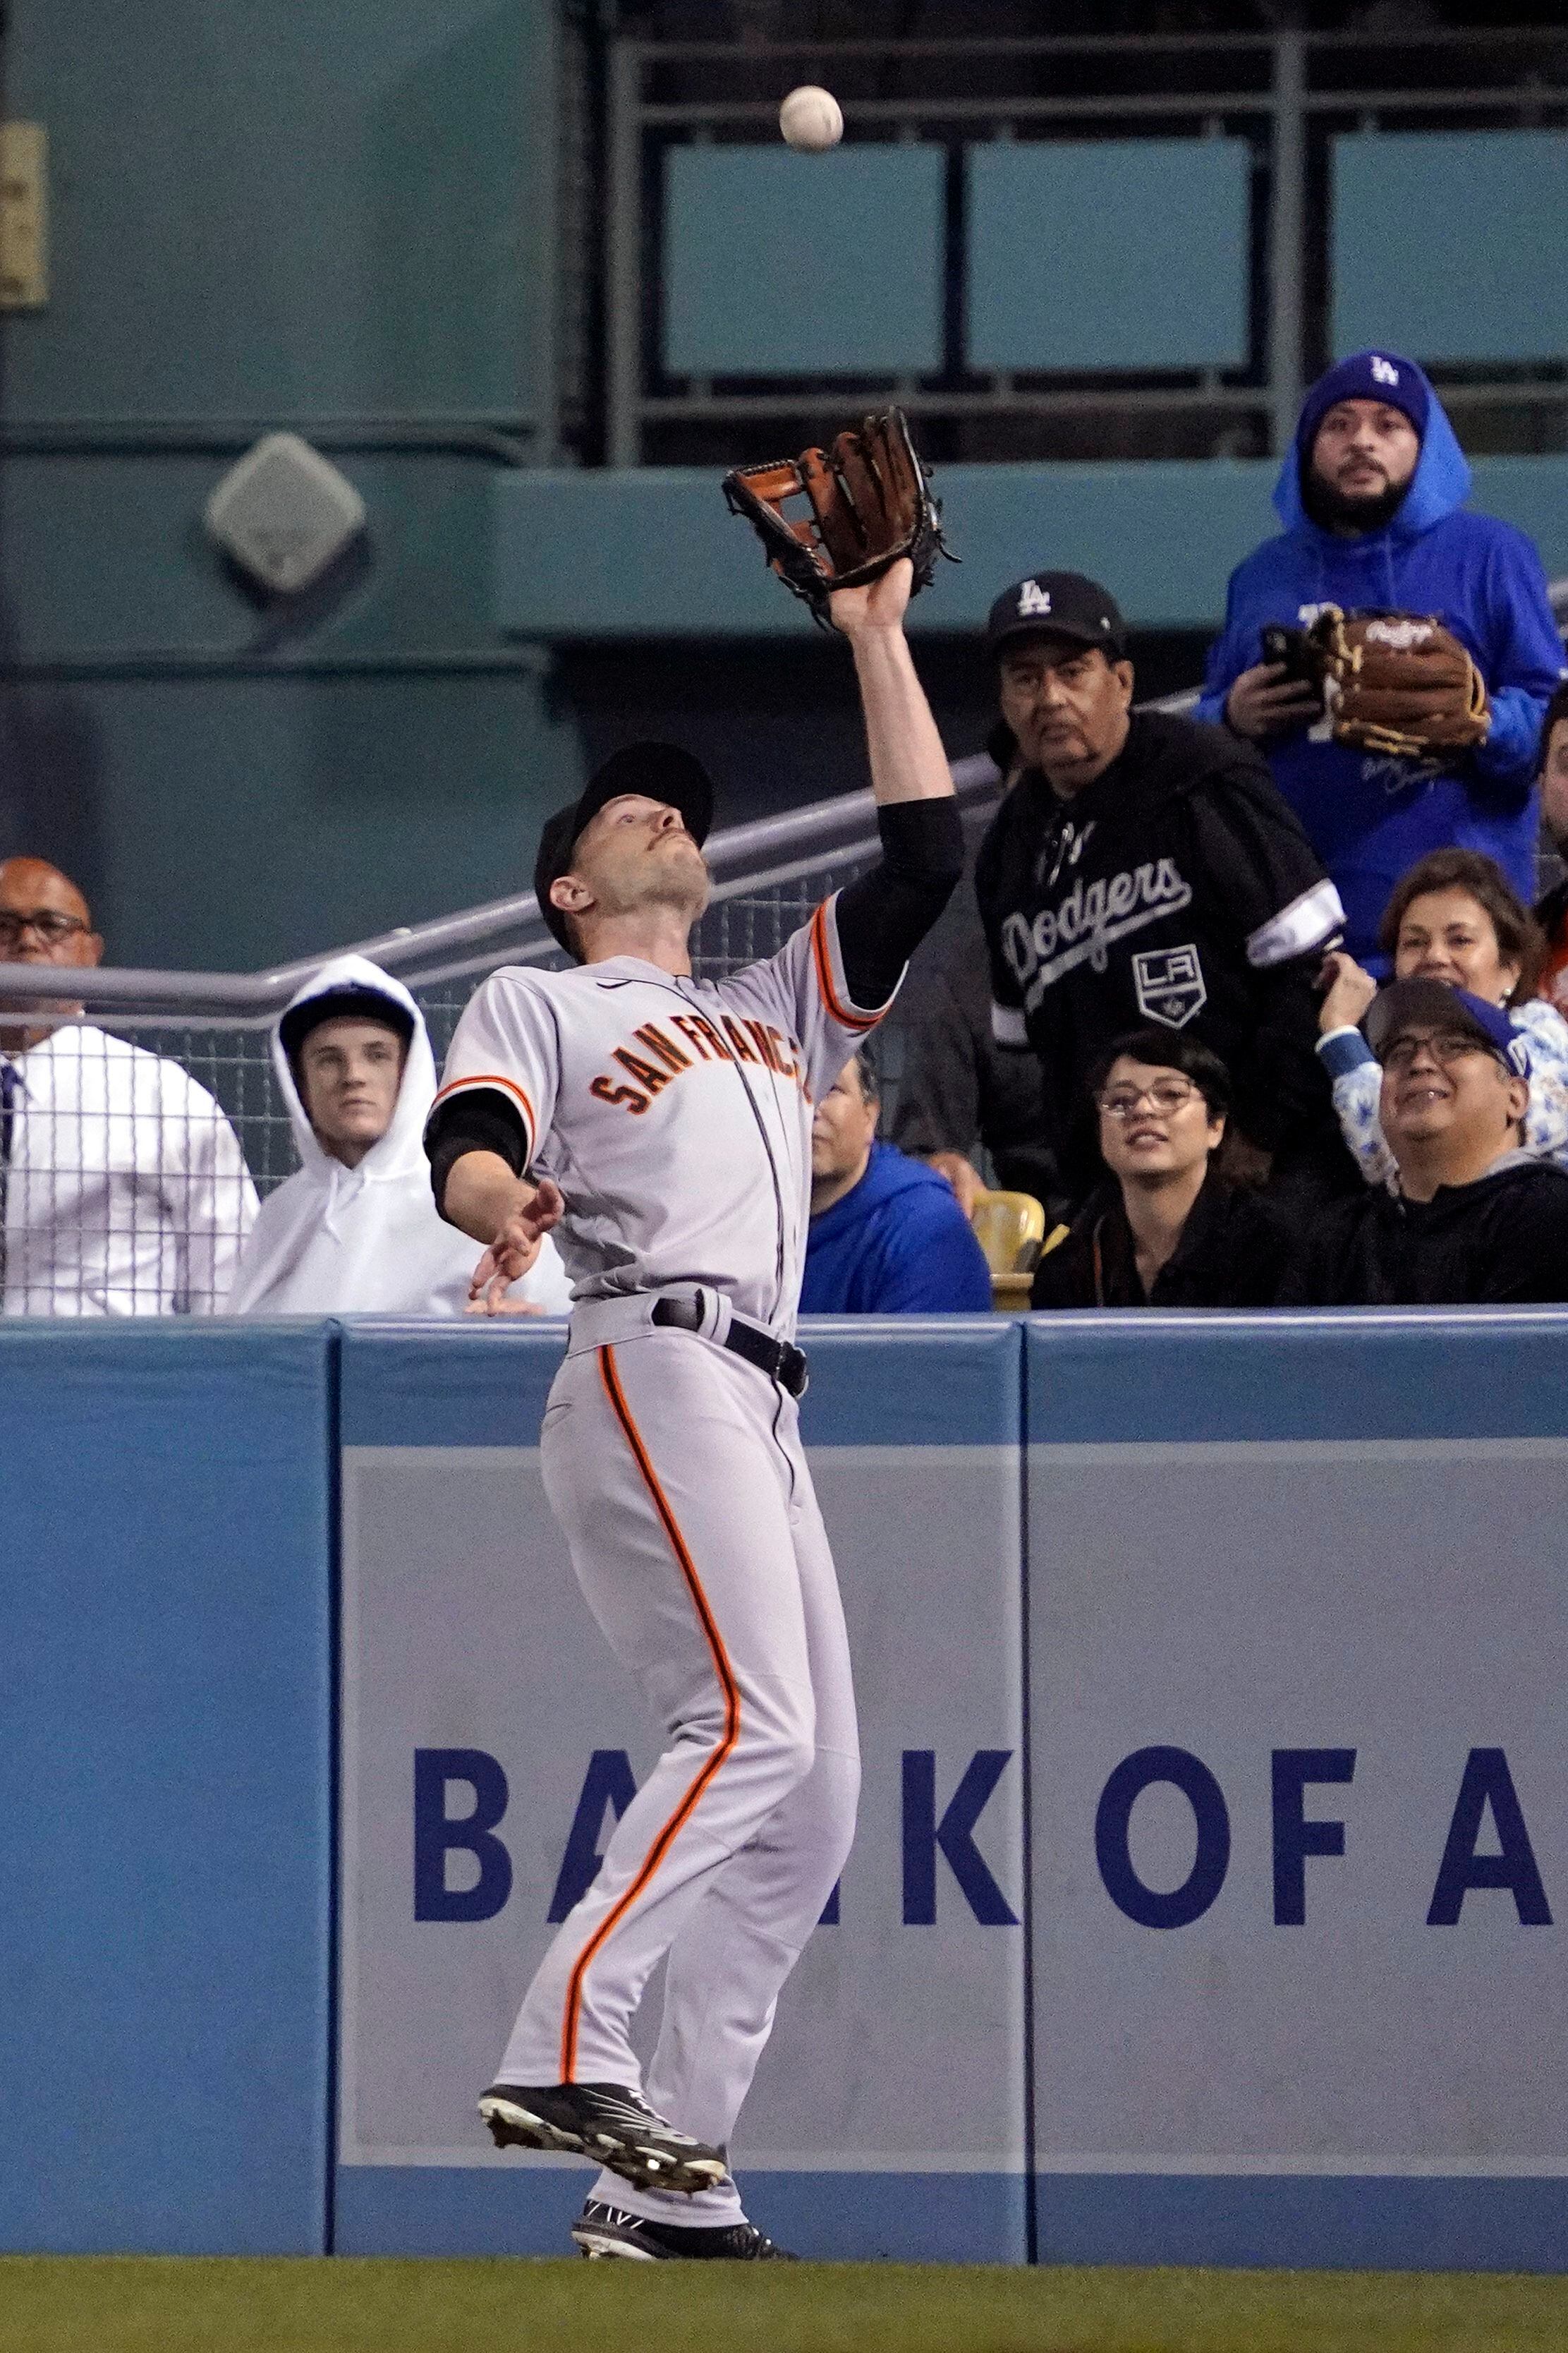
1145 868
887 1237
1372 497
1476 1220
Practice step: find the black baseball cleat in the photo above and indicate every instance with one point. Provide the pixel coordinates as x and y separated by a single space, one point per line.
601 2230
605 2122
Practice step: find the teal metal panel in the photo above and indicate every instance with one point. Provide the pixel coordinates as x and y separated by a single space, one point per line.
334 205
222 823
1117 253
783 264
653 554
1451 245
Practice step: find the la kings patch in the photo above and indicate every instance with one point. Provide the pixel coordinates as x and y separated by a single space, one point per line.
1170 985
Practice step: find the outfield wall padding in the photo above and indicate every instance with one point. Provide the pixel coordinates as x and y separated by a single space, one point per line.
1205 1902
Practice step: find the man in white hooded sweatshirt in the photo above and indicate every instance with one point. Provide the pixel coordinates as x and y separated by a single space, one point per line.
355 1229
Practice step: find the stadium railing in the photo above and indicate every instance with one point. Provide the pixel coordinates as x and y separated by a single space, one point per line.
768 876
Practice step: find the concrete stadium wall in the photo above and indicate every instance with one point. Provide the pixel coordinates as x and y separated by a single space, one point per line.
1206 1903
330 217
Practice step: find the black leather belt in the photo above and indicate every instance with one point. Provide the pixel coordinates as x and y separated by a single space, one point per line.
780 1360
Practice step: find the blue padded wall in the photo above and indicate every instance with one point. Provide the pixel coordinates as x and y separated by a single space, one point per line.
1452 244
1117 253
166 1648
744 292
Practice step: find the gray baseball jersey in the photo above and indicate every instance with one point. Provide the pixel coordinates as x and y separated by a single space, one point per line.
674 1113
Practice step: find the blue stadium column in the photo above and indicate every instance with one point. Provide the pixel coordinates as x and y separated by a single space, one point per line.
165 1830
1301 1794
490 1741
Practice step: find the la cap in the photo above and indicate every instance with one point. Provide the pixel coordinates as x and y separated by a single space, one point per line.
1385 376
1405 1001
662 772
1057 605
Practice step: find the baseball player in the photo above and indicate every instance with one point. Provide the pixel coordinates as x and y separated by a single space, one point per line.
662 1125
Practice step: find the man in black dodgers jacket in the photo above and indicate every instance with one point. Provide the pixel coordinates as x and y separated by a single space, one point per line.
1145 869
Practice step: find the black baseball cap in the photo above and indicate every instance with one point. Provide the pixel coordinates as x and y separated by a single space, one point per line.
1057 605
661 771
1434 1001
352 1002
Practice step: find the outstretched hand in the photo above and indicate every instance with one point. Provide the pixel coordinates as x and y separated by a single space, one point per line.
879 606
515 1249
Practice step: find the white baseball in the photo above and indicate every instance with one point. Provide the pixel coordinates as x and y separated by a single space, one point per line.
812 119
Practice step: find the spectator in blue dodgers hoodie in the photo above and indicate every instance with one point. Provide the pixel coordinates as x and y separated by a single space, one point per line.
1454 919
887 1237
1371 497
356 1227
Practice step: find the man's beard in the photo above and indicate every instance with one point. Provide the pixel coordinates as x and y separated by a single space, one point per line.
1333 509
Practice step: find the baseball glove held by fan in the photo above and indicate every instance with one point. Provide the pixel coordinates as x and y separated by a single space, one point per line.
1397 682
871 503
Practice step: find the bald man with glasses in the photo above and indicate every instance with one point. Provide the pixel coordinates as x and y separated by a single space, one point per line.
124 1190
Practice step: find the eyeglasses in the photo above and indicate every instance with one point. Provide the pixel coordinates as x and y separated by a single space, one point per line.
50 928
1166 1095
1445 1046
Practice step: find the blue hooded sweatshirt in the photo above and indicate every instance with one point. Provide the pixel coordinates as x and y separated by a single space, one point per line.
1370 817
897 1244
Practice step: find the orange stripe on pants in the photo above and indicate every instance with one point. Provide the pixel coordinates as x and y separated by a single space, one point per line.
721 1668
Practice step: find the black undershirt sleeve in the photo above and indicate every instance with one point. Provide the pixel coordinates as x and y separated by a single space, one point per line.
478 1120
885 915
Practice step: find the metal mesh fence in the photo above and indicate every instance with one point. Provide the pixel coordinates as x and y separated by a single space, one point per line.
133 1150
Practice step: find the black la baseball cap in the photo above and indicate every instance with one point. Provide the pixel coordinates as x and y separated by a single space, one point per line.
1057 605
661 771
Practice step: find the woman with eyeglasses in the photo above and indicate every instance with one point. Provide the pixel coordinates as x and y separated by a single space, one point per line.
1165 1229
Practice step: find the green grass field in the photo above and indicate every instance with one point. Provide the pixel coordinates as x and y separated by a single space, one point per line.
183 2304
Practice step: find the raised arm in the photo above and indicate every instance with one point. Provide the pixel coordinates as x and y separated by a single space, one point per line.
907 763
883 917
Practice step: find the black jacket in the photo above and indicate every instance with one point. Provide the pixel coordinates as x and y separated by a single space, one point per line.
1501 1240
957 1088
1178 889
1234 1251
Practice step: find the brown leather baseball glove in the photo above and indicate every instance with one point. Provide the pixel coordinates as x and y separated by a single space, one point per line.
871 503
1397 682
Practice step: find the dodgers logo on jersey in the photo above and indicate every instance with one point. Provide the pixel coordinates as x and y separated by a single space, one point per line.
1170 985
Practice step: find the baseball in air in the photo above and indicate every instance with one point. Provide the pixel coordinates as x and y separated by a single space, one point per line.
812 119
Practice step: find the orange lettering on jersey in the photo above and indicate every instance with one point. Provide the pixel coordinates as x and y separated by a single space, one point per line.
644 1073
712 1034
669 1052
786 1054
696 1032
737 1037
609 1092
759 1036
